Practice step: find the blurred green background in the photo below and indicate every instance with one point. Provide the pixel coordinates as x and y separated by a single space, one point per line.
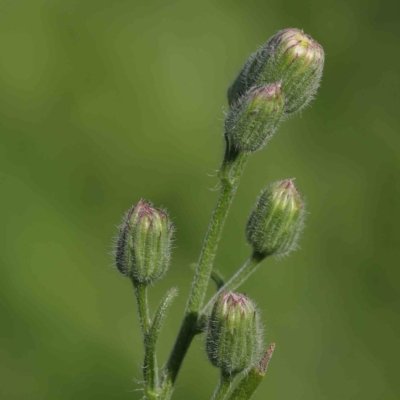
103 102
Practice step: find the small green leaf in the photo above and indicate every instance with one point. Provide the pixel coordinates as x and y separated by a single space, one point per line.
160 314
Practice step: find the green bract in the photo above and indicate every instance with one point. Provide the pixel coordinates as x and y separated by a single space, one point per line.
234 334
276 220
253 120
143 247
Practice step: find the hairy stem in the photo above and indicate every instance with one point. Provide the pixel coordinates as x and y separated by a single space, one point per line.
182 343
250 382
223 387
143 307
207 256
230 173
150 373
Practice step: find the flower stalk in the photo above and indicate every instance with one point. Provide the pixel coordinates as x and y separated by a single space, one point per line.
230 174
150 372
247 386
223 387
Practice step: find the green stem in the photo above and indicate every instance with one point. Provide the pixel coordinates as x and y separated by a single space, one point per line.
207 256
143 307
223 387
230 173
182 343
241 275
246 387
150 373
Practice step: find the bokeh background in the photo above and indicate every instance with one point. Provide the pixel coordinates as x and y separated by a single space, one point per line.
103 102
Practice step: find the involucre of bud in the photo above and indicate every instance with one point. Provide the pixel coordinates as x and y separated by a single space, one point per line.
290 57
277 219
234 334
144 243
253 120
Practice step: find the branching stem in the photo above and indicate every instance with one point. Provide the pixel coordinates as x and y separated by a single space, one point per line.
241 275
229 174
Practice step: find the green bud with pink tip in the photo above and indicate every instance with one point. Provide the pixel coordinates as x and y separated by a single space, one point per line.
290 57
234 334
295 59
253 120
144 243
277 220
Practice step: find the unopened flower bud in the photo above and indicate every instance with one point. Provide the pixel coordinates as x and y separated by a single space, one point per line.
290 57
253 120
144 243
277 219
234 333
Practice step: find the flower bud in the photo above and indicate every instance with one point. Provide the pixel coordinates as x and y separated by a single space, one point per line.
144 242
276 220
253 120
294 59
234 333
